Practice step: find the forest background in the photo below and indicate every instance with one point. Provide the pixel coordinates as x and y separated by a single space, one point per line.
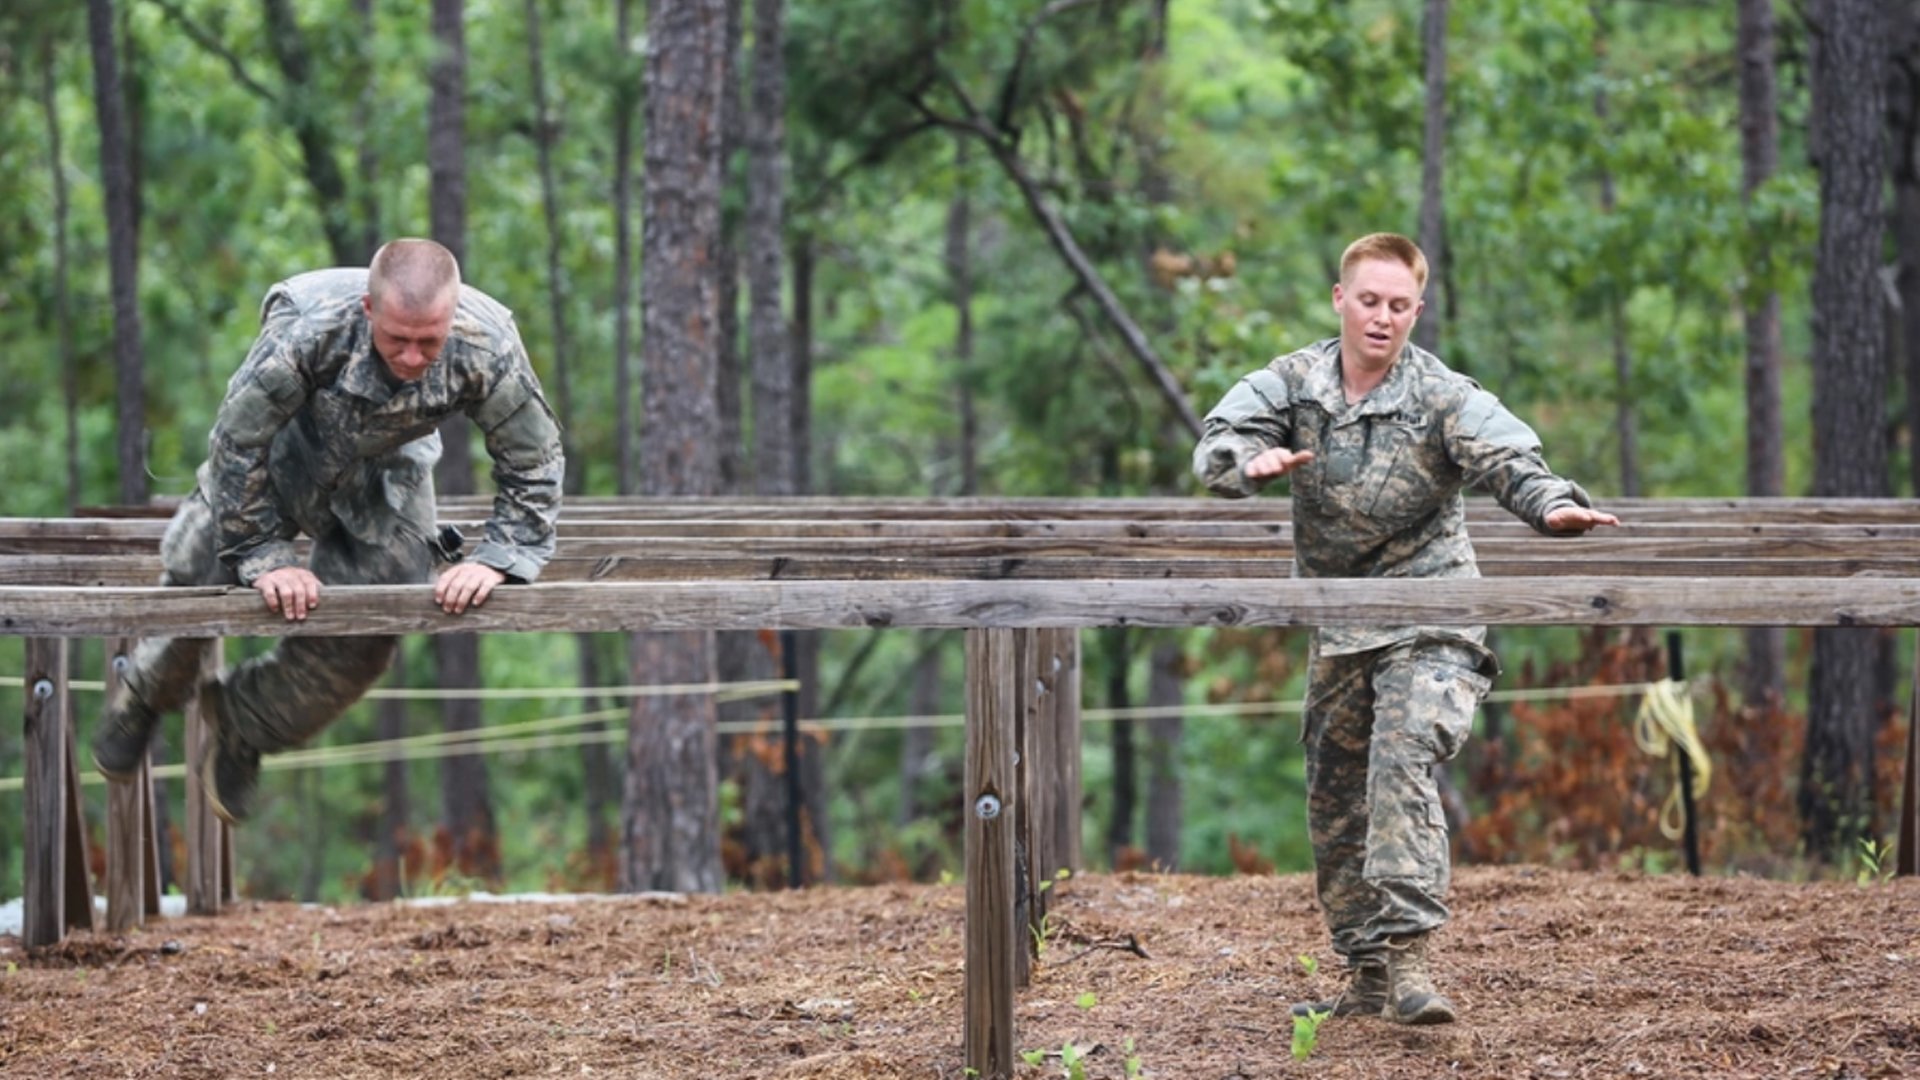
996 248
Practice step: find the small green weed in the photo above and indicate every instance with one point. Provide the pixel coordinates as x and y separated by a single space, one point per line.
1873 861
1087 1000
1308 964
1306 1032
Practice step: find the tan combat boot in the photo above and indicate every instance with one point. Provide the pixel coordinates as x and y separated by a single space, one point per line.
1365 995
1411 998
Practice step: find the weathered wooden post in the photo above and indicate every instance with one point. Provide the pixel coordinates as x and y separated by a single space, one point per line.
992 930
133 856
209 856
1066 729
57 892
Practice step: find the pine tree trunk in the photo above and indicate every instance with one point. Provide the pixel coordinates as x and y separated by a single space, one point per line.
626 95
116 171
1766 458
1847 125
62 311
1433 165
728 375
671 834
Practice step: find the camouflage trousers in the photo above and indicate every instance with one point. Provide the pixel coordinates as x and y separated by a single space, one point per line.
1375 725
282 697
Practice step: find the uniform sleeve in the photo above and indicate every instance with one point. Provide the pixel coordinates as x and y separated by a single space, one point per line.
528 469
261 398
1499 452
1256 415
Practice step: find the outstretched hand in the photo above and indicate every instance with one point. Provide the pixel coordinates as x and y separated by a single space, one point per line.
464 585
1278 461
1578 519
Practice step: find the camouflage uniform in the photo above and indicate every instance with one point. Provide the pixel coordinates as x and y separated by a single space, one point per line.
1382 498
317 437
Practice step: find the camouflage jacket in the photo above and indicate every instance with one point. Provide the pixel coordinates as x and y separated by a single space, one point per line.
315 434
1382 497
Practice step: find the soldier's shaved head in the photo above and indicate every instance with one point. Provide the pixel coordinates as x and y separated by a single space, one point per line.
1387 247
414 275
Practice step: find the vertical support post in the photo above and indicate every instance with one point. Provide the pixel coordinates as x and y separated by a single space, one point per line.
132 860
1908 864
1026 805
1067 799
44 871
79 859
206 833
991 931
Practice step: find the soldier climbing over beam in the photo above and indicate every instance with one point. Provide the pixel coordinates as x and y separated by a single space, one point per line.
1380 439
330 428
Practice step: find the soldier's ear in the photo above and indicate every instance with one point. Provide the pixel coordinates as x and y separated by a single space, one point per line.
366 303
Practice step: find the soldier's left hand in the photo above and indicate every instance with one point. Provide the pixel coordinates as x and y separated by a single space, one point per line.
1578 519
464 585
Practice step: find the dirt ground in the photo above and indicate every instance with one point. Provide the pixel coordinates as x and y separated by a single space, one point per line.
1557 974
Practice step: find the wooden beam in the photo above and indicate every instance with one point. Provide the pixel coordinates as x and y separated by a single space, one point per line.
208 874
78 887
1065 650
991 927
810 605
44 870
129 824
1727 558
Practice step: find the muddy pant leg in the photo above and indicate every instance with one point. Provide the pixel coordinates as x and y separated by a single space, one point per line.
1424 698
285 696
1338 730
162 672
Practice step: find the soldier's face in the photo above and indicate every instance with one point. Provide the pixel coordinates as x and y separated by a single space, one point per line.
1378 305
409 340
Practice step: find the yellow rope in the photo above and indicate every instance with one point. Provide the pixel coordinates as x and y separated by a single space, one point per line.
1664 722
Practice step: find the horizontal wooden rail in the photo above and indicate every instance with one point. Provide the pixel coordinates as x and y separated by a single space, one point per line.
745 605
133 571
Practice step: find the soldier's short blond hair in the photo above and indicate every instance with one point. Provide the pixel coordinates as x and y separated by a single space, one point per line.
417 275
1387 247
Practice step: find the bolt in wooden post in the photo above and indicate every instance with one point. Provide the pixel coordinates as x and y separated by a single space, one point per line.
991 935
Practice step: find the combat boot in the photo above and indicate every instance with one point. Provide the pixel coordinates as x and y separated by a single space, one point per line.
1411 998
120 742
1365 995
229 766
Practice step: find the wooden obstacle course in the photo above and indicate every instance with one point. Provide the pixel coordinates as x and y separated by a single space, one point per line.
1020 576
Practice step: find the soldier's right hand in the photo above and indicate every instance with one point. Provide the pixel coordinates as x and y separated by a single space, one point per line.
290 590
1278 461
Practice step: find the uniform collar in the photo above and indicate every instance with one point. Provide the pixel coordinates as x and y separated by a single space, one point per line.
1322 384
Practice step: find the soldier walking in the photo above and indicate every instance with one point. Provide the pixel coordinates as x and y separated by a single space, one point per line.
1379 439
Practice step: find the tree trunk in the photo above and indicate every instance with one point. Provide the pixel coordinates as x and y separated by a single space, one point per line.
1165 689
767 334
290 51
1847 122
62 310
671 812
1433 161
728 374
546 133
626 94
369 152
1119 658
392 831
960 280
116 171
1626 427
1766 458
467 800
802 358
